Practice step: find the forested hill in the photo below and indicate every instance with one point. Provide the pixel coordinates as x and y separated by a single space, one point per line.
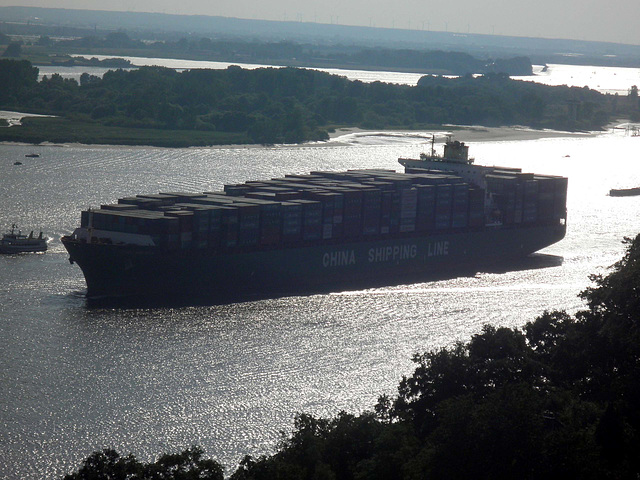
160 106
289 53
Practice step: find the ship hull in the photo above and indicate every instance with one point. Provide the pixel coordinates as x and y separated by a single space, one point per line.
30 248
23 246
147 272
624 192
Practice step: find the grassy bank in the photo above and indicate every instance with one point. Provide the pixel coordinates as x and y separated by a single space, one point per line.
62 130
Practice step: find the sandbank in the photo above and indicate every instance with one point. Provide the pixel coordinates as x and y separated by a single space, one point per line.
464 133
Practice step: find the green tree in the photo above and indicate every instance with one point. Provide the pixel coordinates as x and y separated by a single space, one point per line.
13 50
107 464
16 77
187 465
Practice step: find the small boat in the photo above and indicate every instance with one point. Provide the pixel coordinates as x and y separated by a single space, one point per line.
17 163
624 192
16 242
32 155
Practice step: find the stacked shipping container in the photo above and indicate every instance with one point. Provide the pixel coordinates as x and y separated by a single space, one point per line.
333 206
518 198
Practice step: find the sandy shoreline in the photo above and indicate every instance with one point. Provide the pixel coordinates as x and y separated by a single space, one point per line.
465 133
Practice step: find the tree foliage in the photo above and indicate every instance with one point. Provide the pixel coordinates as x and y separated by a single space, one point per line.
17 77
109 465
14 49
276 105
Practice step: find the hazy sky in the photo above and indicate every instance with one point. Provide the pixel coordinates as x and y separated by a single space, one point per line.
605 20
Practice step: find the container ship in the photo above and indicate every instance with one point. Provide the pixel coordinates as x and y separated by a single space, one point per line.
321 231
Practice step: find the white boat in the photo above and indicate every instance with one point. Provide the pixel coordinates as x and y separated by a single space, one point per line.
16 242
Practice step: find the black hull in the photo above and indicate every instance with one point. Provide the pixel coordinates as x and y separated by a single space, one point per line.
147 272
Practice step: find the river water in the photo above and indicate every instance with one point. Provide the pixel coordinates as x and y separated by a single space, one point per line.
147 381
230 377
604 79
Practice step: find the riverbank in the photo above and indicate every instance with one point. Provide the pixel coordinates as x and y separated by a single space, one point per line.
461 132
37 130
339 136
